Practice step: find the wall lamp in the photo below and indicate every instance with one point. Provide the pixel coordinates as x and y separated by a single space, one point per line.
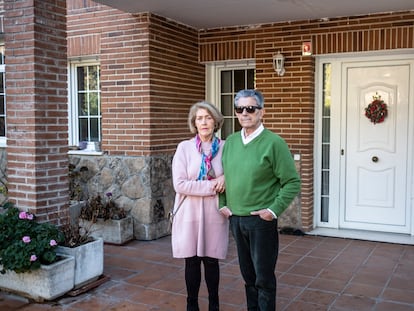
279 64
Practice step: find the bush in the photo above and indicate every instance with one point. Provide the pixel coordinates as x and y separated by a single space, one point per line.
24 243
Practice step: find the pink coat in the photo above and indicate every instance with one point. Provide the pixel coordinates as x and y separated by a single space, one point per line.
198 227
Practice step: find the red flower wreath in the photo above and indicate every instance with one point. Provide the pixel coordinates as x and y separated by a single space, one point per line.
376 110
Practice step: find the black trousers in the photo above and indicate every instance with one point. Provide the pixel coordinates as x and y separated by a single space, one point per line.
193 281
257 243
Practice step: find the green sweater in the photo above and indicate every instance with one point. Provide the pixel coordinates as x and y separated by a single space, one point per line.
259 175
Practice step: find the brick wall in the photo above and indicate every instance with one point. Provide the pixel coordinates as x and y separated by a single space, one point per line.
290 99
150 75
35 44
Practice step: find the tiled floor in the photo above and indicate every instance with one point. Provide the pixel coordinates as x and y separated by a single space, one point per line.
314 273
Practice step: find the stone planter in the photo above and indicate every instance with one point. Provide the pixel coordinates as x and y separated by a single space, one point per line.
111 231
89 260
46 283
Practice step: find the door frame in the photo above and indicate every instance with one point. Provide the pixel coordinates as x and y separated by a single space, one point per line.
338 134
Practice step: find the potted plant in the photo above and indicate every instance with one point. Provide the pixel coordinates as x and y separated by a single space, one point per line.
87 251
106 220
29 263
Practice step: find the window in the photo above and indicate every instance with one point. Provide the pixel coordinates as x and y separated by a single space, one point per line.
224 80
326 141
2 98
232 81
85 103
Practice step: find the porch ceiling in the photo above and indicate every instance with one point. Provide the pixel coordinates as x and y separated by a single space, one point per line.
205 14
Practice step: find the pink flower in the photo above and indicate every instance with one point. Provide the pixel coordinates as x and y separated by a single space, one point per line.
26 239
25 215
53 243
33 258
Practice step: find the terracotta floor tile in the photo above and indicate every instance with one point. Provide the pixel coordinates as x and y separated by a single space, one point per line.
288 292
402 295
313 272
372 278
366 290
304 306
295 280
307 270
354 303
394 306
320 297
332 285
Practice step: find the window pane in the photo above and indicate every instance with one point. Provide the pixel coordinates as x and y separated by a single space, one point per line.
251 83
83 130
82 105
81 79
227 128
2 112
325 182
93 104
2 126
227 105
325 156
237 126
93 78
226 82
239 80
94 136
325 210
326 130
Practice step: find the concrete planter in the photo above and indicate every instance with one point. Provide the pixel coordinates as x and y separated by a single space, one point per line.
46 283
111 231
89 259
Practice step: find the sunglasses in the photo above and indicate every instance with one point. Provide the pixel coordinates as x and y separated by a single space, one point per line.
249 109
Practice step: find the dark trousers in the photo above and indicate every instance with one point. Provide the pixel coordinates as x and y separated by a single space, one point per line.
257 243
193 280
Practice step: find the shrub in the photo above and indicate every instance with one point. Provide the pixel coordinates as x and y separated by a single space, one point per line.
24 243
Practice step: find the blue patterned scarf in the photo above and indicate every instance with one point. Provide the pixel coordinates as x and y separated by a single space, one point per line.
206 169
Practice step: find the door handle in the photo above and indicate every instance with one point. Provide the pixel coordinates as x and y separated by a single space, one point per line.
374 159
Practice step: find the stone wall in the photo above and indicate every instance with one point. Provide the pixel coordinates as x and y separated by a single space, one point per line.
140 185
143 187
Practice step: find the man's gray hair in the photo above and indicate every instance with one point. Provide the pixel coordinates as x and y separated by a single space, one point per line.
250 93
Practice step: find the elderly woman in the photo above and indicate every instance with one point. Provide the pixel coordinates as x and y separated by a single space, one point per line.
199 230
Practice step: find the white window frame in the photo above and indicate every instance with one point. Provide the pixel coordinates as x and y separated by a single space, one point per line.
73 112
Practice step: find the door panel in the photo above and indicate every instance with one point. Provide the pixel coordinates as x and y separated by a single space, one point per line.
376 154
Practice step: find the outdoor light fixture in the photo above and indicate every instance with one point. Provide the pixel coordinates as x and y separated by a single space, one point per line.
279 64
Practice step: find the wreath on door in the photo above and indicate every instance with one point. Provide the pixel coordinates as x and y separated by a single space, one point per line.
377 110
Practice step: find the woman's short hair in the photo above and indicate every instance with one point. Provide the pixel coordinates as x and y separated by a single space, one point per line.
250 93
212 110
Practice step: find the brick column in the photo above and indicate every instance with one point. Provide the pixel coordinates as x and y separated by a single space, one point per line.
37 112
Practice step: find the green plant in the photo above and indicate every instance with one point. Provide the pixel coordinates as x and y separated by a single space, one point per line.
95 208
24 243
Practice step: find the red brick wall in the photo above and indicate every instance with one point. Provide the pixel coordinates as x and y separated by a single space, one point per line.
150 75
35 44
290 99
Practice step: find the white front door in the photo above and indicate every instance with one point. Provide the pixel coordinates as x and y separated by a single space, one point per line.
375 156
